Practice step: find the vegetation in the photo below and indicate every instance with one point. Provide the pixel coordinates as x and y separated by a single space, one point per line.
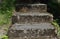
6 9
4 37
56 27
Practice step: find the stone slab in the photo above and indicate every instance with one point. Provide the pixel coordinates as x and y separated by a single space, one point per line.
32 31
26 26
31 17
32 14
31 7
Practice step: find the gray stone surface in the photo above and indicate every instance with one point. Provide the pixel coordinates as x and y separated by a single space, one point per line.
32 31
26 26
41 37
32 22
31 18
33 14
31 7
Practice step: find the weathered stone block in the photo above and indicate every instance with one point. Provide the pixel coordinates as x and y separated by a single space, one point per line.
31 18
31 21
32 31
31 8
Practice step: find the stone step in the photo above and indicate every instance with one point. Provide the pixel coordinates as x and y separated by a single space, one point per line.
41 37
30 31
41 26
31 8
31 18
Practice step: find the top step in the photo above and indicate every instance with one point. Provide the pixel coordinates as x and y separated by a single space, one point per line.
31 8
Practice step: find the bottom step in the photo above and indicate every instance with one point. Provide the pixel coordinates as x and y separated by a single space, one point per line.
41 37
32 31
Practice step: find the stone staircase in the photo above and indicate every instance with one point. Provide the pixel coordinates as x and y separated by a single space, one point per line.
32 21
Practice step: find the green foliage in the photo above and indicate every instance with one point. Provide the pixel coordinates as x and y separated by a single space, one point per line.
4 37
56 26
6 8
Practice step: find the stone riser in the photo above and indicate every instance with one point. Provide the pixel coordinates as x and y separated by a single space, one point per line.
26 31
32 34
42 37
31 19
31 8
